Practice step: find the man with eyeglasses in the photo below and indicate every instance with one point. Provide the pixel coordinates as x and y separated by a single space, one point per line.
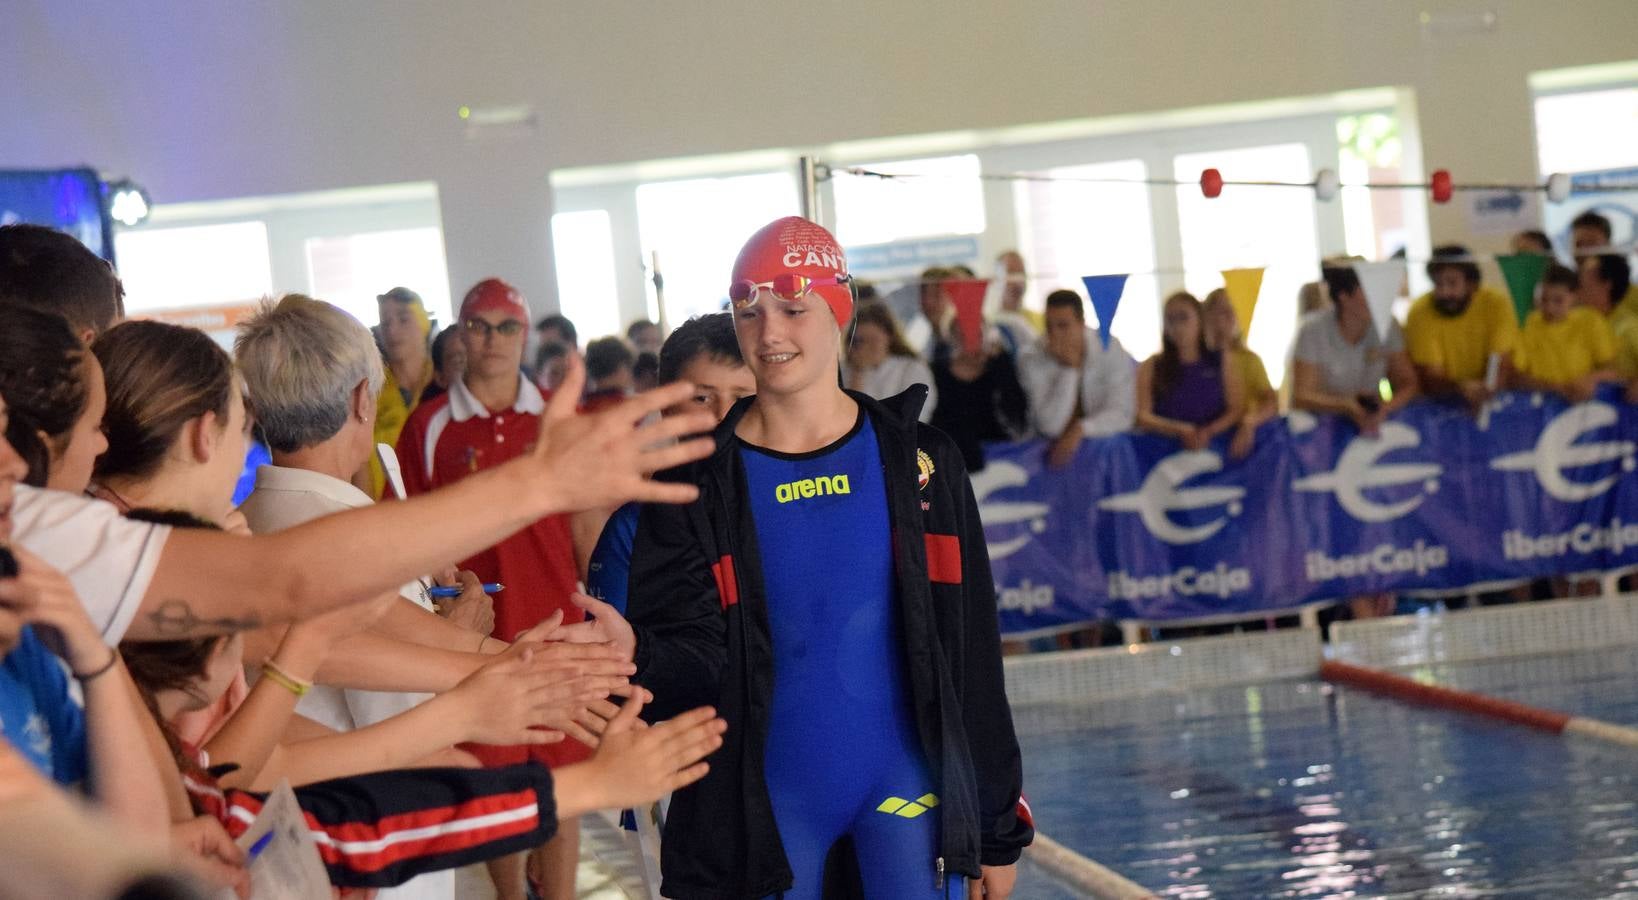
488 416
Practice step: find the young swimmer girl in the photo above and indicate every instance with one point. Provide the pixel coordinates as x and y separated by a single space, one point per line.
830 592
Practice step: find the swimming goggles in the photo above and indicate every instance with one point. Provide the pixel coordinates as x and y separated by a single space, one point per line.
788 287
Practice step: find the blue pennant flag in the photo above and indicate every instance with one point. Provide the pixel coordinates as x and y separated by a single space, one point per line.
1105 291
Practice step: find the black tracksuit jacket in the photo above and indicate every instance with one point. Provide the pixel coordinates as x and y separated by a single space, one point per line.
699 607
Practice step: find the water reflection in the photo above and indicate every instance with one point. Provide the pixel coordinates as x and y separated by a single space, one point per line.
1289 790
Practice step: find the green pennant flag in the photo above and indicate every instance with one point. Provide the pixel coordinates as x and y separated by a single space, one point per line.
1523 272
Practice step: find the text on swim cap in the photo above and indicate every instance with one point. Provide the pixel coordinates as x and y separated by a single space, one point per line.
812 256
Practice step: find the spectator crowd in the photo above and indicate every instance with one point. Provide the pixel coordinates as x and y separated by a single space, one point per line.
173 653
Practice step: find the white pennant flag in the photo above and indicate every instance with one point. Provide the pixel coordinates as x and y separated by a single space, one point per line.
1381 281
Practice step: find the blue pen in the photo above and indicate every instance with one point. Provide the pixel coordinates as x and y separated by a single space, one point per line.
257 848
445 593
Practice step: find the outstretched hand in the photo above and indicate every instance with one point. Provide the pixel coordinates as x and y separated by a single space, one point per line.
637 764
604 459
606 626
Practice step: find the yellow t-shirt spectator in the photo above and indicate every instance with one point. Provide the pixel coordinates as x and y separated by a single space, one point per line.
1563 352
1253 376
392 410
1461 345
1626 310
1625 329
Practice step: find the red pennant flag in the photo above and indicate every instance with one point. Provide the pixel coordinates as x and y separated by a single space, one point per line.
968 298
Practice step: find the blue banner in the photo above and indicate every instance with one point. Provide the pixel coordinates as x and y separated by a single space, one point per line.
1136 527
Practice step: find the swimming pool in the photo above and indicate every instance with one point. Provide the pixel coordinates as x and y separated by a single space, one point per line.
1294 788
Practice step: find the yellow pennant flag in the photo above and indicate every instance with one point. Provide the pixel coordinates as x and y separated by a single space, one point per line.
1243 286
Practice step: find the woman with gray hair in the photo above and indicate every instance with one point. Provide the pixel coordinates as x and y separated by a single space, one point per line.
311 373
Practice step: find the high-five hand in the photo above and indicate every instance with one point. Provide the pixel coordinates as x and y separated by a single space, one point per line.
603 459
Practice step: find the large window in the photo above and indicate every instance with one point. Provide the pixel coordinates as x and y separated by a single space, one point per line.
1591 131
695 228
205 265
1249 227
352 270
583 251
1069 228
1588 130
942 195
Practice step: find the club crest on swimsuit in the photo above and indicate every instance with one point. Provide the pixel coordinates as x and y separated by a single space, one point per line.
924 469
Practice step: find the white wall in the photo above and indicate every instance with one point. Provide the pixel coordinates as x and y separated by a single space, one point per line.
203 100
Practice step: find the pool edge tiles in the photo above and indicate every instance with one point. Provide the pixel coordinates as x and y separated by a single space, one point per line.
1163 666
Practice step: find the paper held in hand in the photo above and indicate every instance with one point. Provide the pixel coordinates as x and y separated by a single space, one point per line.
287 866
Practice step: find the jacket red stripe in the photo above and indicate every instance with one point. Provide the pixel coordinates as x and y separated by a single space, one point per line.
727 584
944 559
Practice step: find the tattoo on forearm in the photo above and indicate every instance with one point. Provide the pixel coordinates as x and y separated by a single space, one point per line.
175 618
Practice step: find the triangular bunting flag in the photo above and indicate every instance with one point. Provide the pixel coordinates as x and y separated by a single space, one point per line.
1381 281
1243 286
967 296
1523 272
1105 291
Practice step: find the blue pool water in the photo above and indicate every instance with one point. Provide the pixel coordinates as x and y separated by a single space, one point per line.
1299 789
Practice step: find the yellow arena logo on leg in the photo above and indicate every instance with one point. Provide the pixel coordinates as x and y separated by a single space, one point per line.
908 809
812 487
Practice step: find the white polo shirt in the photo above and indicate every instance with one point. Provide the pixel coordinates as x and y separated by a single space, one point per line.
285 498
109 559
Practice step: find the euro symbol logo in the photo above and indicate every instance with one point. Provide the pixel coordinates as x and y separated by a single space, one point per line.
997 476
1160 494
1357 471
1556 450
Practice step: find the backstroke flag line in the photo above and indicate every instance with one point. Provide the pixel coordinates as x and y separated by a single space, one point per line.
1523 272
1243 286
1105 292
1381 281
968 298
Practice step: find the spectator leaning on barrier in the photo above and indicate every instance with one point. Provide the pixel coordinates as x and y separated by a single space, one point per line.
1186 391
1223 335
1454 331
1536 242
881 363
1563 348
1019 327
933 319
1076 386
1340 359
1602 279
1590 233
980 398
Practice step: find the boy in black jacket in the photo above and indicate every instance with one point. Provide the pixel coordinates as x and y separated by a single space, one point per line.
829 592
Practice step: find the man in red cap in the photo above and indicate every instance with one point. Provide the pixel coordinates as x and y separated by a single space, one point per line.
489 416
830 593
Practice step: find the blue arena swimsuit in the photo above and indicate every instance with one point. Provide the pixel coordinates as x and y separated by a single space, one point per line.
843 757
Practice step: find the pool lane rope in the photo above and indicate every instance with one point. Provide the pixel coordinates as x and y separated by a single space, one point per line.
1412 691
1085 875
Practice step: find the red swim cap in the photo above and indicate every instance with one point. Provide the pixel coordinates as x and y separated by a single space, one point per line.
494 295
797 246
